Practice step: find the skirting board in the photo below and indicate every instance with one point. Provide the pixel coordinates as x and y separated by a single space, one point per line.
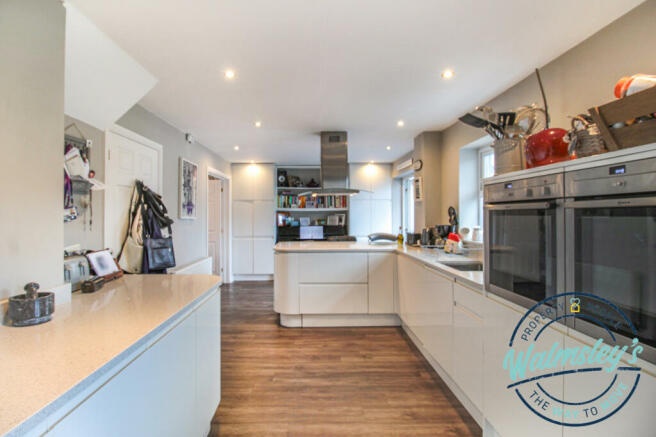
338 320
252 277
462 397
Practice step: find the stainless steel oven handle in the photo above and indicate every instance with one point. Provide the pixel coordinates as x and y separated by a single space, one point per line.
612 203
511 206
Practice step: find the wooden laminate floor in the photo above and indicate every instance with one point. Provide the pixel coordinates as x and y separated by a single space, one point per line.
324 381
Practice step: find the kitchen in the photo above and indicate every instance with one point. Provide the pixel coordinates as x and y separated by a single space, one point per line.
361 246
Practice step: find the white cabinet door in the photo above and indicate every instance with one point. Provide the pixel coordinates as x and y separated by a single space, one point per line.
263 256
361 180
381 183
502 407
242 219
333 268
435 316
242 185
242 256
263 181
407 272
635 418
359 217
263 218
468 343
382 267
333 298
153 396
381 217
285 283
208 361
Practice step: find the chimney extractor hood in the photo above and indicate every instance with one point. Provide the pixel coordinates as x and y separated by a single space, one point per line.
334 167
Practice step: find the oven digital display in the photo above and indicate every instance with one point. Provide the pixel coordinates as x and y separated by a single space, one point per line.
508 186
618 169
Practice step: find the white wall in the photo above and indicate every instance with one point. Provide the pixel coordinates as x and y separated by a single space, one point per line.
31 142
371 211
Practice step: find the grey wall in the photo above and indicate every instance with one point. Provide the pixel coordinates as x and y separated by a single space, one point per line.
575 81
189 236
31 132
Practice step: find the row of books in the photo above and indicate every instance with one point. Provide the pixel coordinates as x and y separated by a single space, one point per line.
294 201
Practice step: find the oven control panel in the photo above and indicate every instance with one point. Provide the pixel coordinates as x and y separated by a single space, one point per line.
538 188
626 177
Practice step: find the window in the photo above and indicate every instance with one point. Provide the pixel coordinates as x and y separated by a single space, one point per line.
485 170
408 204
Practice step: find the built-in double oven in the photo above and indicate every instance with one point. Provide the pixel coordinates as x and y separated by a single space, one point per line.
589 231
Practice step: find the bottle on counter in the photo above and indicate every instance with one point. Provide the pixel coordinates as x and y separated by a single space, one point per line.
399 237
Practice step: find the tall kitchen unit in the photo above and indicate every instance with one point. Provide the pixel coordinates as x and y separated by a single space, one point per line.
253 215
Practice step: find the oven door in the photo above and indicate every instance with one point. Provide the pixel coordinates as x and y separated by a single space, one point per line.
524 252
611 254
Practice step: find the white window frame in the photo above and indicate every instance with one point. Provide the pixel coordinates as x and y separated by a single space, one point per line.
483 151
407 195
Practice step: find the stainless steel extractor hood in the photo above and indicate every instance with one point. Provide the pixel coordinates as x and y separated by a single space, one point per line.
334 167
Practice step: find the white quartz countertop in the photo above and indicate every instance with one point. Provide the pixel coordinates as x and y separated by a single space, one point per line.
432 257
334 246
47 365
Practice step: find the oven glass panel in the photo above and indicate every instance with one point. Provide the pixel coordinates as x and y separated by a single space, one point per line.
522 257
615 258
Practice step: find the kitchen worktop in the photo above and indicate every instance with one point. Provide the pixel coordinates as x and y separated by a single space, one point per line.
432 257
45 366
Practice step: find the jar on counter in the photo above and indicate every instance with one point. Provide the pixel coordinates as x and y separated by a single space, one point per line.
632 84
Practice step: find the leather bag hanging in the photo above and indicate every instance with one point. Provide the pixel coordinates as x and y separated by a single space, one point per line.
130 257
159 254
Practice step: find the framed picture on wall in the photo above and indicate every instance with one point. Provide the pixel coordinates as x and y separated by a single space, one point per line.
188 189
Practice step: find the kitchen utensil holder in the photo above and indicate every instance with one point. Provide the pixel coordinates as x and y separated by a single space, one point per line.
509 155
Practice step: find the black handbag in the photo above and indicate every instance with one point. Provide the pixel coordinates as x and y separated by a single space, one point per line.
159 253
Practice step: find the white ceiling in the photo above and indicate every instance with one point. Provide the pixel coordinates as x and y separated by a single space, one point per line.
304 66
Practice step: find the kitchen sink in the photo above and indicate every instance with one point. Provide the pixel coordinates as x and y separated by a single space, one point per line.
465 267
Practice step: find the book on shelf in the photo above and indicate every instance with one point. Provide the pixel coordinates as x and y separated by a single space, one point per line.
287 200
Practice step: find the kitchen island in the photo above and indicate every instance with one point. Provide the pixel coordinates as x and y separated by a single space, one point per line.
327 283
141 356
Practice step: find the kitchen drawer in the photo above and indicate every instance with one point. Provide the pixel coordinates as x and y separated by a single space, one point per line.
471 300
340 267
333 298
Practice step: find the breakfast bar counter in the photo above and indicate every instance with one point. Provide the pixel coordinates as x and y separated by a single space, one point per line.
100 366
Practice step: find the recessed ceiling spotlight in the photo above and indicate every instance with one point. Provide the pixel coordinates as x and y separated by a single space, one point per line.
236 147
448 74
258 124
388 147
400 123
229 74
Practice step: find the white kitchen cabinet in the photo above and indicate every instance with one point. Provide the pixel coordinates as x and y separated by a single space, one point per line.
263 218
333 298
263 255
172 389
242 218
208 360
333 268
635 418
242 256
468 342
382 268
435 316
501 406
359 217
381 216
253 218
285 283
381 182
407 275
253 182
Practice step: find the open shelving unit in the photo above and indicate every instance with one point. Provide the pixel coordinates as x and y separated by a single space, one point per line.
299 177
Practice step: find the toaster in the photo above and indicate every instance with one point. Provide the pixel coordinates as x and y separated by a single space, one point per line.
76 270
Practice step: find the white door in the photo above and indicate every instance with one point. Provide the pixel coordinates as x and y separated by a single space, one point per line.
214 199
128 157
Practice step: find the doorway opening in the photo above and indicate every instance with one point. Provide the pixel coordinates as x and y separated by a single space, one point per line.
218 223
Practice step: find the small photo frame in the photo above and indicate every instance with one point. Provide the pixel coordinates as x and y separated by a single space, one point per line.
188 189
102 262
341 219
